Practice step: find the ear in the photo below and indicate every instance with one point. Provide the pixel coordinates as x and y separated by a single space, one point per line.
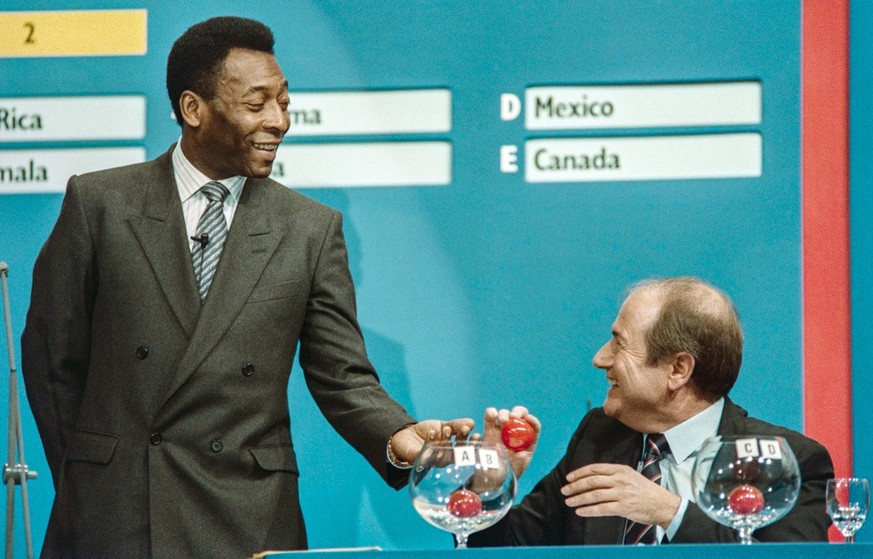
683 367
191 106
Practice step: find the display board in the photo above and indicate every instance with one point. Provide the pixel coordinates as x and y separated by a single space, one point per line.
506 170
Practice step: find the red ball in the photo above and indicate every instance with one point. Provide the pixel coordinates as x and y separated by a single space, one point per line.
463 503
746 499
517 434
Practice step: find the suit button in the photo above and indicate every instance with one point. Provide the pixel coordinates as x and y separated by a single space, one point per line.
248 370
156 438
142 352
216 446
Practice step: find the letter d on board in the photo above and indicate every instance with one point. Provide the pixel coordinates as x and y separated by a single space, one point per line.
770 449
510 106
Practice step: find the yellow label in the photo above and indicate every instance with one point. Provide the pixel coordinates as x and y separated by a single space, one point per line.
73 33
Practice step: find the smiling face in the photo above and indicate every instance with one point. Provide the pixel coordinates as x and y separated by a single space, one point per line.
638 392
238 131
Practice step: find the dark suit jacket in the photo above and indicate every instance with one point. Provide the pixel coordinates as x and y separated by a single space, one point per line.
542 518
166 424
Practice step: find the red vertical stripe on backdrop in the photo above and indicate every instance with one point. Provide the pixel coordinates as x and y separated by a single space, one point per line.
825 207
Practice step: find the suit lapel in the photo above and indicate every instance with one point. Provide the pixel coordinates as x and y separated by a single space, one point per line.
615 445
160 230
625 450
251 242
732 417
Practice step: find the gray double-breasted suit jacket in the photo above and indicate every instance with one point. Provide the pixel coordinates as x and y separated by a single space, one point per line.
165 423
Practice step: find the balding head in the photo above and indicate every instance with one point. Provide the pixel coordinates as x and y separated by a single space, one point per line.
699 319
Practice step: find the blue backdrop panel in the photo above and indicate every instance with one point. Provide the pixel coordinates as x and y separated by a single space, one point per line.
491 291
861 210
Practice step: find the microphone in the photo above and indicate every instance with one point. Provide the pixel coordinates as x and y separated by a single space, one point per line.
203 239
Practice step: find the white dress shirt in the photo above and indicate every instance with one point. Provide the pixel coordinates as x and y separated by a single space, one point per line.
188 181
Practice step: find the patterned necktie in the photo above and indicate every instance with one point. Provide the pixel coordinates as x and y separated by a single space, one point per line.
656 447
211 232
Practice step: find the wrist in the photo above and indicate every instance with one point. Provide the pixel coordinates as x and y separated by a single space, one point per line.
393 459
674 504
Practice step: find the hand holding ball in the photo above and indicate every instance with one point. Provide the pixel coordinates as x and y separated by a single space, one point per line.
517 434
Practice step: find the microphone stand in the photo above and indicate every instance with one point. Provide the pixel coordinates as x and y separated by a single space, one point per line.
14 473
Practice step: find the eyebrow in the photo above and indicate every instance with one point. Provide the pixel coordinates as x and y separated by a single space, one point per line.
617 335
262 88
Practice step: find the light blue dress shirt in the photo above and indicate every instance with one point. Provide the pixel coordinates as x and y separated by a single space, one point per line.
686 440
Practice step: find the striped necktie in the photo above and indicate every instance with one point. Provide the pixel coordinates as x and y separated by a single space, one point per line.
656 447
211 233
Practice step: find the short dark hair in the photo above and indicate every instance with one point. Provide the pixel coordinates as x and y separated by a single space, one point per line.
196 59
700 319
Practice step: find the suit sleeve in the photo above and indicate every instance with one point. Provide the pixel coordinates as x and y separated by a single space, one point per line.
806 522
55 344
338 373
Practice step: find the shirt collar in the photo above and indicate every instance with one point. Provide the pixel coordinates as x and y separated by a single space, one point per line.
189 179
688 436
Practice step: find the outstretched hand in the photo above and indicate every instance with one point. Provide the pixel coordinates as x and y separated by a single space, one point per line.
407 443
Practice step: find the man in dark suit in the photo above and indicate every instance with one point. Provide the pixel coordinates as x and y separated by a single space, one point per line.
675 353
158 380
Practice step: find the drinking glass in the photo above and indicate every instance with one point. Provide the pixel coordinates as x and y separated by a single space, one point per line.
746 482
848 500
462 487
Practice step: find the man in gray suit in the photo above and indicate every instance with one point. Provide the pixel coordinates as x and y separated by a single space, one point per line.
157 379
674 354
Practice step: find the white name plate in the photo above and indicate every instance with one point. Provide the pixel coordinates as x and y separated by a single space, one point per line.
39 119
341 113
48 170
364 164
707 156
632 106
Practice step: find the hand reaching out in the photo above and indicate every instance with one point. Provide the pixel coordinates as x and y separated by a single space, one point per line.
407 443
